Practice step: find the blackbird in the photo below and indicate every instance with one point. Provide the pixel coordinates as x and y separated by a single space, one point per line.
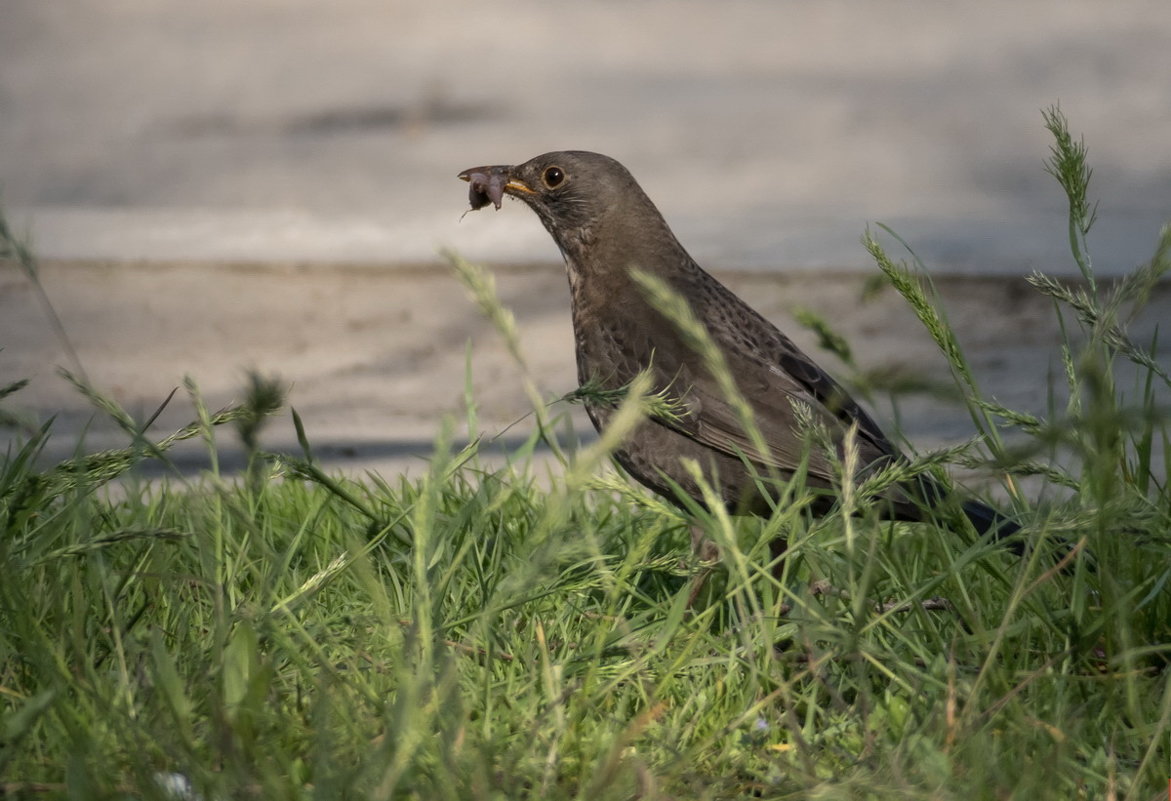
606 228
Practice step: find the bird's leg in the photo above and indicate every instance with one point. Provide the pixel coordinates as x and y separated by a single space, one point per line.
777 548
705 550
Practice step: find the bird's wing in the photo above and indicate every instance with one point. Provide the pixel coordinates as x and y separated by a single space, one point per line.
775 390
775 399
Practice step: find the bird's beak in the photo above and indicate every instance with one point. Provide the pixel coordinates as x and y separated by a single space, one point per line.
490 184
517 186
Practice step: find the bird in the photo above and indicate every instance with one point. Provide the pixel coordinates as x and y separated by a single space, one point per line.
610 233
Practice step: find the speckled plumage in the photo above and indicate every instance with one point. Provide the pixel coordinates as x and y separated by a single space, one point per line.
606 226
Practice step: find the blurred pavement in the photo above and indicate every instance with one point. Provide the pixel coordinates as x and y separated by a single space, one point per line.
769 132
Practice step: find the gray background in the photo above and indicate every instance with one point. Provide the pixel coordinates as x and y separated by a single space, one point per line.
770 133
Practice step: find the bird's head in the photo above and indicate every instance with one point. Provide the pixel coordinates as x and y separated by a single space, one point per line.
572 191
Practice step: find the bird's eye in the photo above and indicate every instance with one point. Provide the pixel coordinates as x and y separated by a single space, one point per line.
553 176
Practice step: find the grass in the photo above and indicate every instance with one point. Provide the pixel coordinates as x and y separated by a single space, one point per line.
480 633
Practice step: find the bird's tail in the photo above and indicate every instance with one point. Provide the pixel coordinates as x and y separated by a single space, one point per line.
994 525
989 523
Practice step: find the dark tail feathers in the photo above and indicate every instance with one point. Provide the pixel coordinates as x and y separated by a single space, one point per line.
991 524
